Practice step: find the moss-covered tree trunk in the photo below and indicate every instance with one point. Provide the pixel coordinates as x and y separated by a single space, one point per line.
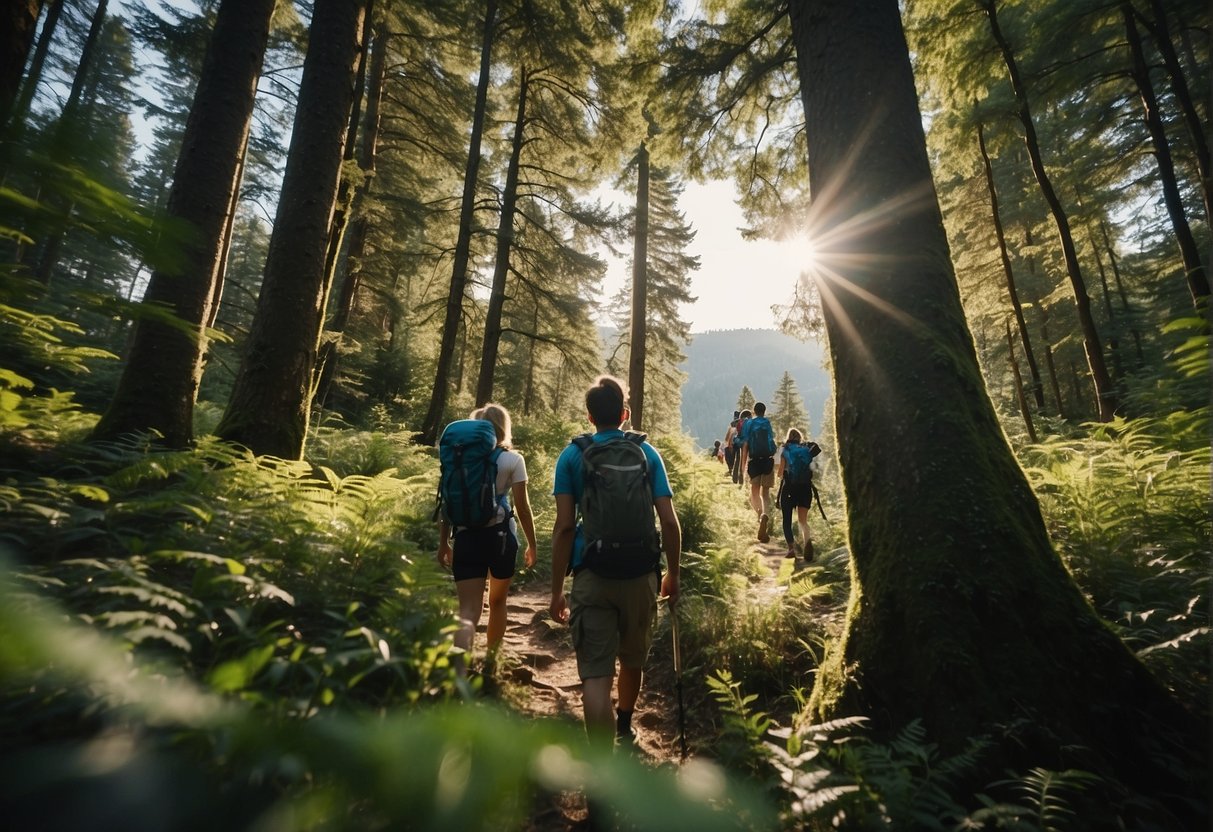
271 397
638 340
160 380
961 613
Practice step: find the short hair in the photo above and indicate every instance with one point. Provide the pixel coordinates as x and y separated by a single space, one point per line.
745 414
760 409
499 418
605 402
793 436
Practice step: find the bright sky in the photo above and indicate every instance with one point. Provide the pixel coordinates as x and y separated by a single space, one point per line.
738 280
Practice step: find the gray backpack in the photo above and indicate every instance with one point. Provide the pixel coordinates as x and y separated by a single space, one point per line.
617 521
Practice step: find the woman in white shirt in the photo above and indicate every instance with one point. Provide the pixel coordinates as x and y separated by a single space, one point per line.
490 552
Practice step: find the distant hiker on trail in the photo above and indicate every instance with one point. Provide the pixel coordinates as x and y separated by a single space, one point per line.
797 464
758 456
730 444
476 452
612 483
738 468
715 452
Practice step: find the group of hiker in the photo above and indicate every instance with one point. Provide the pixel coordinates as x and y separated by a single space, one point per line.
749 450
614 519
608 486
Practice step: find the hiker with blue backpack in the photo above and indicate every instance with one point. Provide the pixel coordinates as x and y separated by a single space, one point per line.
479 475
797 464
758 457
608 486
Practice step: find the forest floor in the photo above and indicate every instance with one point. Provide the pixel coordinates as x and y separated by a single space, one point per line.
538 676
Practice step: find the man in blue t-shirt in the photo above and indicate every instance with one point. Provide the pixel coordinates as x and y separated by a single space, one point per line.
759 465
610 618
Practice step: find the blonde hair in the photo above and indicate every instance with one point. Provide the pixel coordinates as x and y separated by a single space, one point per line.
499 418
793 436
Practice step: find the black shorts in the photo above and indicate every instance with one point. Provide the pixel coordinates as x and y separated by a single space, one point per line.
484 550
760 467
797 495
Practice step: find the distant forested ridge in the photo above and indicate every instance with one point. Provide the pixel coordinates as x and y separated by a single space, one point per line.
720 362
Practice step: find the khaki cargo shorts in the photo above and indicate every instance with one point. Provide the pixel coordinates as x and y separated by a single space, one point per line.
611 618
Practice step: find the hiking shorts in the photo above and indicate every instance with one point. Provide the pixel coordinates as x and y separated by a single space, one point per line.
797 495
762 472
480 551
611 619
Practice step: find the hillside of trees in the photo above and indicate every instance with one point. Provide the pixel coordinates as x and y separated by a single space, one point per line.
720 363
255 255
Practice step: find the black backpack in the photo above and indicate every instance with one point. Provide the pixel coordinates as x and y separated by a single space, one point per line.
617 520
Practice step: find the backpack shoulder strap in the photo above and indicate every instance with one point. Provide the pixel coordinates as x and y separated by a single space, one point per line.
635 436
582 441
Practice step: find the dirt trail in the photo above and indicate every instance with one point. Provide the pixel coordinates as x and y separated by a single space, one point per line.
539 664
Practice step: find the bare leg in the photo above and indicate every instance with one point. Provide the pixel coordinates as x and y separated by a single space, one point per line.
499 590
471 601
629 687
802 520
596 700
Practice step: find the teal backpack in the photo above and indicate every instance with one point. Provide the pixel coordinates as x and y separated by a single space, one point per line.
467 482
617 522
797 462
759 438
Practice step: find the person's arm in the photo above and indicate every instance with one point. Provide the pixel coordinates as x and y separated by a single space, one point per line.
522 509
444 544
562 549
671 542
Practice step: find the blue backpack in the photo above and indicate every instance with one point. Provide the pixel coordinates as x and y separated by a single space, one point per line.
467 482
759 438
797 461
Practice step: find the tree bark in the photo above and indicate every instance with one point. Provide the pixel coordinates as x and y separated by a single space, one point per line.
30 85
1161 30
961 613
1194 270
1050 366
505 241
20 23
1020 397
1104 394
640 290
159 383
1120 290
463 243
1113 341
271 398
330 352
67 127
1038 393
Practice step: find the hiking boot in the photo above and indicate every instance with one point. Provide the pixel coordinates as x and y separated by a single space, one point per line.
763 523
625 740
791 553
808 552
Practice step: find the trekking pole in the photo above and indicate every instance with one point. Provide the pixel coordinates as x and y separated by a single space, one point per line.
682 714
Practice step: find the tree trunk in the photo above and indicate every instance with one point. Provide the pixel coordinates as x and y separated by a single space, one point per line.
1113 341
640 290
528 396
961 613
1050 366
271 397
330 352
21 105
505 241
1120 290
1161 30
1020 398
66 129
228 231
1038 393
20 23
1080 401
1104 393
1194 270
159 383
463 243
